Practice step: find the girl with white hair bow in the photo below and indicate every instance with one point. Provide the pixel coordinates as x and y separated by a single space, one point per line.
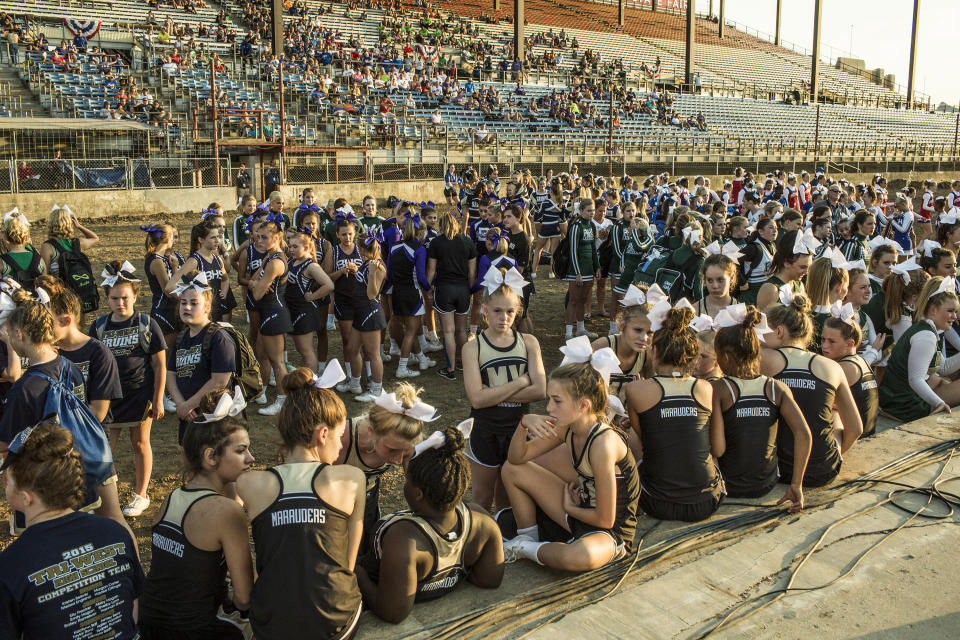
571 476
789 266
631 343
20 260
678 434
502 373
62 224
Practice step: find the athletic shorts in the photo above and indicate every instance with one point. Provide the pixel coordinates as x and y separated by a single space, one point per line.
549 230
551 531
275 322
343 308
404 302
369 317
166 317
452 298
488 447
305 318
452 193
669 510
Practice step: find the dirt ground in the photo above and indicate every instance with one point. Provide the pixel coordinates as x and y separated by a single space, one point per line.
121 239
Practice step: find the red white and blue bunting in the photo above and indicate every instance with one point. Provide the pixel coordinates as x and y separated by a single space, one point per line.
86 28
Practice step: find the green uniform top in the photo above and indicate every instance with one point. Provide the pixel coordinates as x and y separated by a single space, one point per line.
372 222
330 231
897 397
583 248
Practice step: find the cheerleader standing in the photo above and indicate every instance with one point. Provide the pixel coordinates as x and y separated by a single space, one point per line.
307 284
583 266
205 257
757 258
552 220
163 307
407 279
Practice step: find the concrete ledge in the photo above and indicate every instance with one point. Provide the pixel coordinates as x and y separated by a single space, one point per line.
101 204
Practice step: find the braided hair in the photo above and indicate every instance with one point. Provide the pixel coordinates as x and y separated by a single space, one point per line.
443 473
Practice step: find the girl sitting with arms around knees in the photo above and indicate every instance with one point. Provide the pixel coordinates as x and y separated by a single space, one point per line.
137 344
840 338
680 436
307 520
381 439
752 406
427 551
502 373
919 358
819 386
200 533
571 478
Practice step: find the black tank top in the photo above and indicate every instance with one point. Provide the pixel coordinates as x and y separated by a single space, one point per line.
619 381
815 398
186 585
448 570
627 484
254 262
675 433
353 458
212 269
498 366
299 283
864 393
274 297
749 464
303 579
160 298
347 287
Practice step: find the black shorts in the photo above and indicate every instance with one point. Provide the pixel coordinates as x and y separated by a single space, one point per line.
369 317
488 446
668 510
406 302
452 298
551 531
166 317
452 193
275 322
134 406
306 318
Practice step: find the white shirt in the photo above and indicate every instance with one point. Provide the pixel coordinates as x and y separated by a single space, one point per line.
923 347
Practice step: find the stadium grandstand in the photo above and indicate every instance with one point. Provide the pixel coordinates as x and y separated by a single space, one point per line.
378 90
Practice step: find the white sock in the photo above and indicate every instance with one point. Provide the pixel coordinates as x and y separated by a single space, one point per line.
285 358
613 327
403 364
367 364
376 388
393 344
423 341
531 532
529 549
432 336
569 330
281 398
422 357
580 328
473 328
347 369
355 382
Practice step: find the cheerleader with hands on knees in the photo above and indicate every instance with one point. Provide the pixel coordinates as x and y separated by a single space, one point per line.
819 386
307 284
307 522
427 551
156 264
753 406
205 257
137 344
192 370
719 277
267 288
97 363
679 435
502 373
839 342
200 533
571 478
31 332
44 480
919 357
789 266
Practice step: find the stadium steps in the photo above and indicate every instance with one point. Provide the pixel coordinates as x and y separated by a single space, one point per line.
19 89
867 125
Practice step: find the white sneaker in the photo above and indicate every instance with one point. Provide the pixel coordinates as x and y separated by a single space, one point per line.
407 373
262 398
331 323
355 388
366 397
512 550
394 349
272 410
273 379
137 505
384 356
589 334
426 363
430 347
169 405
550 276
533 275
344 386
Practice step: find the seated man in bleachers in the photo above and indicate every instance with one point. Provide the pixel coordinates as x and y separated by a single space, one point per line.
701 121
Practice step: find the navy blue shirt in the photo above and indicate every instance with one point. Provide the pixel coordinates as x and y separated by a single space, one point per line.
123 341
100 372
193 371
24 403
73 577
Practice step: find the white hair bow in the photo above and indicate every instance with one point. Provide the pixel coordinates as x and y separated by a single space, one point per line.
15 213
332 375
604 360
949 285
7 305
950 217
904 268
419 411
437 438
42 296
785 294
227 406
805 243
880 241
843 312
691 235
636 296
730 249
839 261
736 314
63 208
658 314
615 408
125 272
927 246
493 279
199 283
703 322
